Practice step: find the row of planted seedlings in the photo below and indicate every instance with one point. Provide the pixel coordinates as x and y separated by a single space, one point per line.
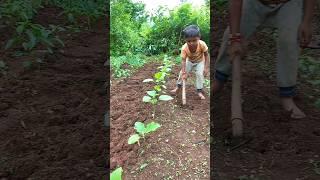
153 97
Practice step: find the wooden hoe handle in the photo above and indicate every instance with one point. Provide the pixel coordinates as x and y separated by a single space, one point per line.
236 109
184 100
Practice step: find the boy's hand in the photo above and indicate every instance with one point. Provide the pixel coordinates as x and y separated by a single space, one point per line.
305 34
184 75
206 71
236 49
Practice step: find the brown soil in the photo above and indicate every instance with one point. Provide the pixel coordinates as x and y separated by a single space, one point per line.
52 114
274 146
179 149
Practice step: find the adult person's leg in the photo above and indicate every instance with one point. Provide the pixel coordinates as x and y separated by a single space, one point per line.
253 15
288 20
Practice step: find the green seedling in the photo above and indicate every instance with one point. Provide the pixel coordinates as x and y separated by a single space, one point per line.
142 130
166 67
116 174
207 84
29 35
154 97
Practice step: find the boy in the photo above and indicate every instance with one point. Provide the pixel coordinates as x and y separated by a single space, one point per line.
292 18
194 54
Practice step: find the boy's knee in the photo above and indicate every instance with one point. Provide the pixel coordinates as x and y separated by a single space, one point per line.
199 73
221 77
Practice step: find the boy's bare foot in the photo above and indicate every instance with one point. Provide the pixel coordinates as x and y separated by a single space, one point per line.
289 105
201 95
174 90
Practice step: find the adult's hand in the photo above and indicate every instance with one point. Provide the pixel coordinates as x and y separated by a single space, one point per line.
236 49
305 34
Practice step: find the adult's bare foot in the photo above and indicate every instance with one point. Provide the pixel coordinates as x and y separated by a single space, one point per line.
289 105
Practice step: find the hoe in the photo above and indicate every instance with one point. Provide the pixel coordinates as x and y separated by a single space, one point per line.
236 109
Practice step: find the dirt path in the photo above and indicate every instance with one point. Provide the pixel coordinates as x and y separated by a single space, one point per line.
276 147
52 115
178 150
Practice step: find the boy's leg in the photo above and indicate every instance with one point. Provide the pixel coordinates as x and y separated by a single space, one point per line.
288 20
253 15
200 78
189 66
199 75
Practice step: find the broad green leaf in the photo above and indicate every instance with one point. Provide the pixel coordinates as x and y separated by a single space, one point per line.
27 64
133 139
158 75
146 99
71 18
154 101
147 80
139 127
25 46
19 53
39 60
32 39
2 65
20 28
10 43
152 93
59 41
165 98
47 42
152 127
116 174
157 88
50 50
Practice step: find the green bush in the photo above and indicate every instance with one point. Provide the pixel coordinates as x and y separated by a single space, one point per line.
133 30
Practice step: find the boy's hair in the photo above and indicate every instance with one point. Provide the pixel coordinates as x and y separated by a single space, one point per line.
191 31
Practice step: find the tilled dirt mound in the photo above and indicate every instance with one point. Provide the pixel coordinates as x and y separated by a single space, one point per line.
52 115
178 127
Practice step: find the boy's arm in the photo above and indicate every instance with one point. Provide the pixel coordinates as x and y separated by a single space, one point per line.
206 60
183 65
308 10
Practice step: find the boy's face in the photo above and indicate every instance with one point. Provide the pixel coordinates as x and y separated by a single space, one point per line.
192 41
